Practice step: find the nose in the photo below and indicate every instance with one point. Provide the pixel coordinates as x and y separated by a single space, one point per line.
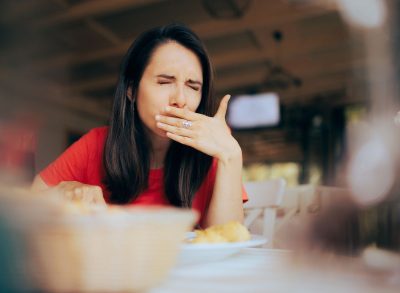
177 98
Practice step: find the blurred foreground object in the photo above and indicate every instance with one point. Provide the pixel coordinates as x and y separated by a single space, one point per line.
372 167
381 259
329 219
366 13
397 119
65 250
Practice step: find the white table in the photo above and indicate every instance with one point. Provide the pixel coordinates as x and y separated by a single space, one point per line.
264 270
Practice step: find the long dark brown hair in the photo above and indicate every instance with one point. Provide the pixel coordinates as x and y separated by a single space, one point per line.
127 150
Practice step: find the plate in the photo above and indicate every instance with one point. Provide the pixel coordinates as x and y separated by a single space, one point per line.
208 252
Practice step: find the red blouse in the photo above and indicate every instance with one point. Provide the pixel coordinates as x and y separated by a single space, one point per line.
83 162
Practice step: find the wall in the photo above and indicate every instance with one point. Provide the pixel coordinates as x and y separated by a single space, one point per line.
54 120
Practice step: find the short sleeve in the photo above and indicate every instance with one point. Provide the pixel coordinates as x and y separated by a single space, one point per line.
244 195
72 164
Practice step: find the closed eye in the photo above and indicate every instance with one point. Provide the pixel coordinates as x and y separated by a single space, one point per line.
164 82
165 79
195 88
194 84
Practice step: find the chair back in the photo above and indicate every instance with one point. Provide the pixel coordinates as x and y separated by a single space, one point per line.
264 197
262 194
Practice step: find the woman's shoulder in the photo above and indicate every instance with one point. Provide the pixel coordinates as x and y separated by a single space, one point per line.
94 138
97 133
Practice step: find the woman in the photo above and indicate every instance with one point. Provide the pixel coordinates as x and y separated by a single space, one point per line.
166 144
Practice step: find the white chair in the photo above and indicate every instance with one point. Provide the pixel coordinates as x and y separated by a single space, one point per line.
300 199
308 200
260 210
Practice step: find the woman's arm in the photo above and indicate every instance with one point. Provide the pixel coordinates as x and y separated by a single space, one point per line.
39 185
212 136
63 177
226 203
72 190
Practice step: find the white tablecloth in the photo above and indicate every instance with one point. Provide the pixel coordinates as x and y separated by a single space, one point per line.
264 270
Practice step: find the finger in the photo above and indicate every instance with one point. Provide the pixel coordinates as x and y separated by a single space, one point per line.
78 192
83 194
170 120
98 196
90 195
176 130
182 139
69 194
223 107
183 113
93 195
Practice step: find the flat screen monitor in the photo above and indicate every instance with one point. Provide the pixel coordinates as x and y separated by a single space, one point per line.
254 111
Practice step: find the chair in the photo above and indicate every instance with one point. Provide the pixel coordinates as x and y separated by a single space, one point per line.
308 199
260 210
301 199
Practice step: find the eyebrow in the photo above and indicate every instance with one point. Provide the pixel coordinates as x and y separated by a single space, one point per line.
191 81
166 76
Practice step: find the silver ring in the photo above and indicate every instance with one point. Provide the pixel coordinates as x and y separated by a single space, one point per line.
187 124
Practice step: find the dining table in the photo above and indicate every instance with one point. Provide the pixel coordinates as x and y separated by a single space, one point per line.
275 270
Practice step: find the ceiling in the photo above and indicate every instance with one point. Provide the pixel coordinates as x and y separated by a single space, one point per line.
302 51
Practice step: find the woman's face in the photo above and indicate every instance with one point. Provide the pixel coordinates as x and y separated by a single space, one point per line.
173 77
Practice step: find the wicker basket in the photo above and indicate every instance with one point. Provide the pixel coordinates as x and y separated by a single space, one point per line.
103 252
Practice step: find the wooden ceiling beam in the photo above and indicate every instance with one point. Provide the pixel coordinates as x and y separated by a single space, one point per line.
315 87
47 92
95 84
261 14
66 60
293 52
304 69
94 25
298 65
89 9
103 31
225 84
311 87
16 10
331 66
255 18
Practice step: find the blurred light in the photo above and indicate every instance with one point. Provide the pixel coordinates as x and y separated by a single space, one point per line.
365 13
371 172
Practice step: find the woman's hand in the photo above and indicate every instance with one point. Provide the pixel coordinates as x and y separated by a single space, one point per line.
76 191
210 135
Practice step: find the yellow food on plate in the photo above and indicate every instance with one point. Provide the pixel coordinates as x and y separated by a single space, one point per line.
230 232
208 236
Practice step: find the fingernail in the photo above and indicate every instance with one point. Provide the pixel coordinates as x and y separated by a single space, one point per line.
167 108
157 117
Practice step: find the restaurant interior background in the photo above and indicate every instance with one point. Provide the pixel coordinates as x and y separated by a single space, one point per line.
332 70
